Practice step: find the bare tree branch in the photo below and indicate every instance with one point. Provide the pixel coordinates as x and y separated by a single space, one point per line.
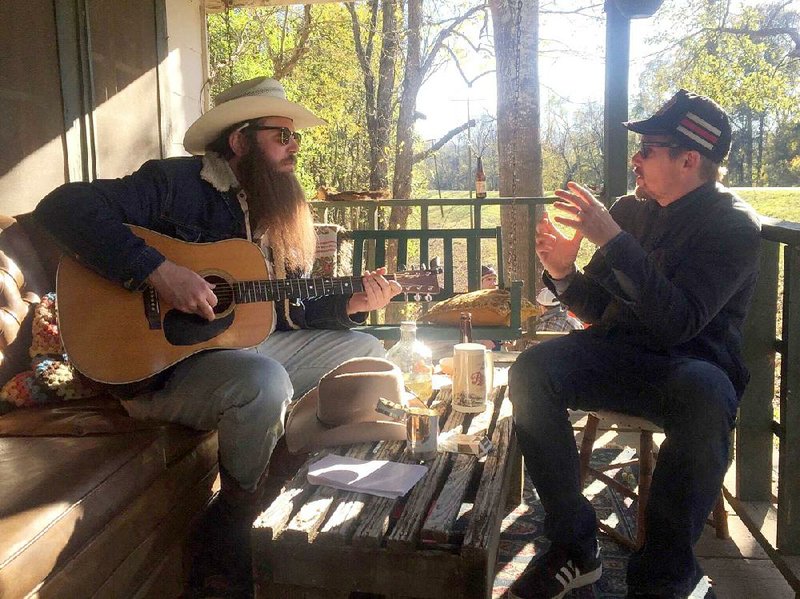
420 156
477 48
444 34
285 66
461 72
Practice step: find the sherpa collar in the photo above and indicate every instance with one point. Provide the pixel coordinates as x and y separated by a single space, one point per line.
218 172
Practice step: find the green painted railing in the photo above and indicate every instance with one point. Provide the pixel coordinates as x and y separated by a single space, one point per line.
372 208
773 518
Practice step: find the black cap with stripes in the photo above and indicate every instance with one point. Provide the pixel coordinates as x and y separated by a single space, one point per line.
696 122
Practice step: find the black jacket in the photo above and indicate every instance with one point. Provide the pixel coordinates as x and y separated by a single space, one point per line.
677 280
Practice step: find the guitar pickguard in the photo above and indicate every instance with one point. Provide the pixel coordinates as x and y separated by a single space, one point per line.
181 328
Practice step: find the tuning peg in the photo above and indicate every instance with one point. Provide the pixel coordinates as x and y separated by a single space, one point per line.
417 297
428 297
434 262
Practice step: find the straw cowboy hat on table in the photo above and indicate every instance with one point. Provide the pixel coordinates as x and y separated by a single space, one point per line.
253 99
341 409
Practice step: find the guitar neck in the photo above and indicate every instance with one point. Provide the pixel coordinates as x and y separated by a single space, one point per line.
279 289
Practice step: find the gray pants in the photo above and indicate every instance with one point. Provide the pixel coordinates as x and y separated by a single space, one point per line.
244 393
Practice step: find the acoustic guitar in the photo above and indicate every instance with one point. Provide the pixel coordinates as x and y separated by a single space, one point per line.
112 335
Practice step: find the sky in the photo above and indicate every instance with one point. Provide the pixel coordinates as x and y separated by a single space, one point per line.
443 98
577 75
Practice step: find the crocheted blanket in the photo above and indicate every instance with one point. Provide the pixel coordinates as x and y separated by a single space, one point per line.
51 377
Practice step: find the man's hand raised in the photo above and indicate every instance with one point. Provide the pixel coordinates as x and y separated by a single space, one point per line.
587 215
377 292
556 252
184 289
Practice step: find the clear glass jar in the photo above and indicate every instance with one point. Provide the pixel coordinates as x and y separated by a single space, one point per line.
413 358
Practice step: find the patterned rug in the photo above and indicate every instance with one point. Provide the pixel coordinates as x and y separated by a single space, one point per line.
522 536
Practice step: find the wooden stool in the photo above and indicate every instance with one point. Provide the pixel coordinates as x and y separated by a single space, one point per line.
604 420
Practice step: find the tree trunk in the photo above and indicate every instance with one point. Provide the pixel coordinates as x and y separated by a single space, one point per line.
412 81
379 171
378 102
516 38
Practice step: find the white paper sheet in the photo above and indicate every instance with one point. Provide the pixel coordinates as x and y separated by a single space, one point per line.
375 477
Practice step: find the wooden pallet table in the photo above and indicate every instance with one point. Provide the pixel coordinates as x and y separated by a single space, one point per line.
438 541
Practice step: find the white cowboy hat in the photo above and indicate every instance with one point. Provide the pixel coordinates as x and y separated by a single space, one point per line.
252 99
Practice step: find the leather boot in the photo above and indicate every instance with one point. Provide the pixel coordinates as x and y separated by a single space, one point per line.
223 565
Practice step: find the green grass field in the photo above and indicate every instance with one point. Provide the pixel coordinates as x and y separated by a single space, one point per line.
777 202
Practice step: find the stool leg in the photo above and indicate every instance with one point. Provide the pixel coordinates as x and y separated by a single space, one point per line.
645 479
587 444
721 518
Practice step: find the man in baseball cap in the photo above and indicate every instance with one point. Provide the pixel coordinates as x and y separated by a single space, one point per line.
666 294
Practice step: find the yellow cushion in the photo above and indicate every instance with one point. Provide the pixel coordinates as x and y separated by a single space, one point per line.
489 307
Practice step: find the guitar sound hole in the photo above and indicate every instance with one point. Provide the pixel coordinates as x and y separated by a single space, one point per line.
224 292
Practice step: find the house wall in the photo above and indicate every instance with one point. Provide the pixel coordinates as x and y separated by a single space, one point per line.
93 88
184 71
32 130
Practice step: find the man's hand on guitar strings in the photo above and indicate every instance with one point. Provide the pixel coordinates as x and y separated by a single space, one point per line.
184 289
377 292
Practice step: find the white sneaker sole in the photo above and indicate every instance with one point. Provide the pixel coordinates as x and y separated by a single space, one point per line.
575 583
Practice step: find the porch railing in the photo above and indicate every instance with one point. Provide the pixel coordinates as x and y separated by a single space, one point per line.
770 505
372 208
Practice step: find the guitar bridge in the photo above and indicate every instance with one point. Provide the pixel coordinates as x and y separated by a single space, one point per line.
152 309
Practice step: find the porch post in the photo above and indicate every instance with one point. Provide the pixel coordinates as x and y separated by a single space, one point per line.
615 136
754 427
788 533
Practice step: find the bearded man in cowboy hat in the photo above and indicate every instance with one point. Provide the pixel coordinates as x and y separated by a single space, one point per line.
240 183
666 293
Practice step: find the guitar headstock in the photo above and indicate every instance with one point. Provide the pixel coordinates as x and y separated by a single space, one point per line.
419 282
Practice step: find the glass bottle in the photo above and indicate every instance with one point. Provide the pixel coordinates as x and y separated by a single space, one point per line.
413 358
480 180
465 327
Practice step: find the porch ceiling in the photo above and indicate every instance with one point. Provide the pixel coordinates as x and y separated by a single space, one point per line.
219 5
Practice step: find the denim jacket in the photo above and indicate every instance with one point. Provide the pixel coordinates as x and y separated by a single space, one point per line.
175 197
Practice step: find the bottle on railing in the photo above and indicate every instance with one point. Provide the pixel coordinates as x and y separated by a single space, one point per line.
465 328
480 180
413 358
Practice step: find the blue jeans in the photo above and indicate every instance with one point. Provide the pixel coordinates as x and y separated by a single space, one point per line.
693 400
243 394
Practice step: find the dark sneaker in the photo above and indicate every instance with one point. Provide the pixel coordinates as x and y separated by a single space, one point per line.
555 573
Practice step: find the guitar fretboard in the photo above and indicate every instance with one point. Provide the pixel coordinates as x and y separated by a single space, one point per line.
277 290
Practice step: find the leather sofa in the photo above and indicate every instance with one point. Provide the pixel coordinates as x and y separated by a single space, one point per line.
92 502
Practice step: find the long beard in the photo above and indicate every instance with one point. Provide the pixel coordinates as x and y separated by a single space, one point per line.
278 208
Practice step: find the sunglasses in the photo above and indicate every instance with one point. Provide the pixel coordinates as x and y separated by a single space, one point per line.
286 133
646 147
